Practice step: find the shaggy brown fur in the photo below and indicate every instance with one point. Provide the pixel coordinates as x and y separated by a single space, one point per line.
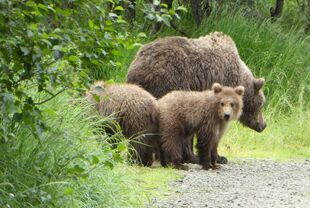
135 110
182 113
177 63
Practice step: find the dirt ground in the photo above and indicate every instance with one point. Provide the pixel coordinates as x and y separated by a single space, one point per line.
242 183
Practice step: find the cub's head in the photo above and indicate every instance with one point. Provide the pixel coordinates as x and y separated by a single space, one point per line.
96 89
229 101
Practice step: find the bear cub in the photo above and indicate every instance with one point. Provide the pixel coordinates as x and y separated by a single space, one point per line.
136 112
183 113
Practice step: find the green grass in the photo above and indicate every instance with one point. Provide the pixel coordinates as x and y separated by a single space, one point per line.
70 166
285 138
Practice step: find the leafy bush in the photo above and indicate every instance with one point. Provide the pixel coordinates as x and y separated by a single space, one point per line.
49 45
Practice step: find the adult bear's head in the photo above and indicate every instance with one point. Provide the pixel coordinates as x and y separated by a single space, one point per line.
254 100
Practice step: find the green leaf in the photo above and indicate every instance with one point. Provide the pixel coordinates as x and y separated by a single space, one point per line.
30 34
47 42
25 50
90 24
121 147
73 58
181 8
31 4
68 191
42 6
109 164
142 35
112 15
57 48
137 44
166 19
177 16
94 61
159 18
164 5
51 9
121 21
76 169
95 160
156 2
119 8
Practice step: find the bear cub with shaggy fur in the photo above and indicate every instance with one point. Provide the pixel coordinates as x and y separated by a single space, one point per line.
136 112
183 113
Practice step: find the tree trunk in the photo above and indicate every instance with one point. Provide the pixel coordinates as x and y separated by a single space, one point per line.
277 11
207 7
196 11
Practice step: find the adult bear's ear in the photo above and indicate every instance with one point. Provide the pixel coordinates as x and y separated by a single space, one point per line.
216 87
239 90
258 84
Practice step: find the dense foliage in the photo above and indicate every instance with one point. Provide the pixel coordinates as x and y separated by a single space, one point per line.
48 45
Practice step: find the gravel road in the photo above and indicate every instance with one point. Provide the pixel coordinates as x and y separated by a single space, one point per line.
242 183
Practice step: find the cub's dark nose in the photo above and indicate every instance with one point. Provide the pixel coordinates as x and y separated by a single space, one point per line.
226 116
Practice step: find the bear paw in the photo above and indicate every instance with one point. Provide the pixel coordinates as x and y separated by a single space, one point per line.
221 160
206 167
215 167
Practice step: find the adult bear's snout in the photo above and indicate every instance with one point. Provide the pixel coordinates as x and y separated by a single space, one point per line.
260 127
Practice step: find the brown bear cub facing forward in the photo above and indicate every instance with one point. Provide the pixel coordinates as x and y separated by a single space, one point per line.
183 113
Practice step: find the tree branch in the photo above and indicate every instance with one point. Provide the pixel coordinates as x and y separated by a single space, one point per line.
277 11
54 95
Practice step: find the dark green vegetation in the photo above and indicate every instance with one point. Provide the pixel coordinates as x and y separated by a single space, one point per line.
52 154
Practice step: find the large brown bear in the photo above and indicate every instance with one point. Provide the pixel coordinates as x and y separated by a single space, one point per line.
135 110
177 63
182 113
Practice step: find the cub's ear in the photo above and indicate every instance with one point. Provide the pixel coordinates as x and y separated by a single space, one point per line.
258 84
98 87
239 90
216 87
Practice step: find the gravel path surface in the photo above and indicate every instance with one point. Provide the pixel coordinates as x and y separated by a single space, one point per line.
243 183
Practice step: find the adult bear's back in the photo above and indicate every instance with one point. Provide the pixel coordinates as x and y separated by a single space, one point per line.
177 63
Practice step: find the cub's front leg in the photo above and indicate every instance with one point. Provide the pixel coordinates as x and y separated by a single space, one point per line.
202 134
204 151
214 156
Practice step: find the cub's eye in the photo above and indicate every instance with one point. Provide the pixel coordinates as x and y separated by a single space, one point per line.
222 104
232 105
